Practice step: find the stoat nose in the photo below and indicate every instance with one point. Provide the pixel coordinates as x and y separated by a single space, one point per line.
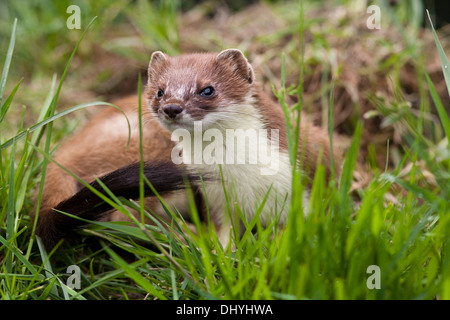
172 110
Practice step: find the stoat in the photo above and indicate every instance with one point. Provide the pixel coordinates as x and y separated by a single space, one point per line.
207 117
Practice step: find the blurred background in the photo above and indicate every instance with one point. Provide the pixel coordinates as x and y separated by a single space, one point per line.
377 74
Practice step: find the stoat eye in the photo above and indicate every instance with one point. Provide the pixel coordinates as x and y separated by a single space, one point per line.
207 92
160 93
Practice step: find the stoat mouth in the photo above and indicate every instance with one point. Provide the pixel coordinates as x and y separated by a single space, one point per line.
178 123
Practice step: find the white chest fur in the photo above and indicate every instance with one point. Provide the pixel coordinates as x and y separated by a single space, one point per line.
249 158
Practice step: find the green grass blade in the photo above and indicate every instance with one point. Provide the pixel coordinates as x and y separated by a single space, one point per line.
58 90
7 63
10 221
46 263
440 107
124 229
348 167
19 256
38 125
135 276
8 101
444 61
331 126
45 110
141 151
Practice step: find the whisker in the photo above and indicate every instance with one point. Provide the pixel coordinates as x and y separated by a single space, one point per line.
222 116
233 112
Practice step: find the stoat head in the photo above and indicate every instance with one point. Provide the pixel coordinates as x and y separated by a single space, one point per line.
203 87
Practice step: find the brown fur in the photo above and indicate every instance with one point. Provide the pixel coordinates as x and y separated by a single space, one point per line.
197 71
100 146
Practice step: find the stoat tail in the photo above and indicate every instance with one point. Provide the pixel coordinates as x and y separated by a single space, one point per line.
124 182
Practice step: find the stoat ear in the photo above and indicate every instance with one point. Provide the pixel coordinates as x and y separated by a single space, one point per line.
158 58
236 59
